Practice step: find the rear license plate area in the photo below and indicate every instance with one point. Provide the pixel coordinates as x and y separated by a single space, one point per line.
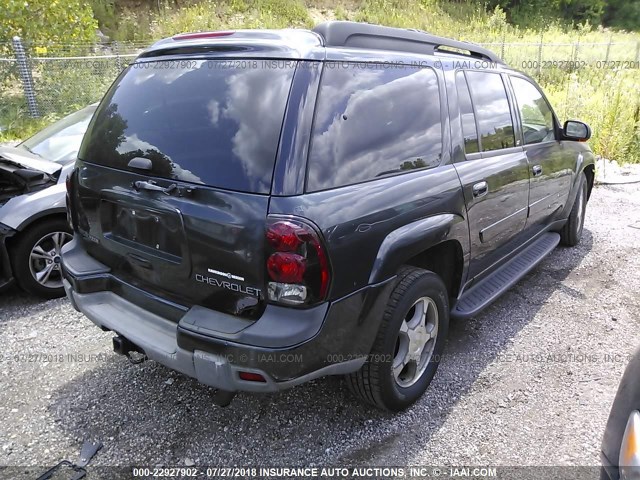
148 229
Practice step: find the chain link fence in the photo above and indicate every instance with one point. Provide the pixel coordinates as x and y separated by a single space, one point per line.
55 79
50 81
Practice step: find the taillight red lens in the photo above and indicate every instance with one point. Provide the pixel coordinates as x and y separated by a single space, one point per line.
286 267
283 236
297 263
251 377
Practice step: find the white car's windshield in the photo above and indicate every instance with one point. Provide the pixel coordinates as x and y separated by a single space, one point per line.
60 141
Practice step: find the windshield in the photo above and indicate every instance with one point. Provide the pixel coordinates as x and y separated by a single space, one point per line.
60 141
200 121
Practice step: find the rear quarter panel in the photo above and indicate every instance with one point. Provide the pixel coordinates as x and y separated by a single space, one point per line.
356 220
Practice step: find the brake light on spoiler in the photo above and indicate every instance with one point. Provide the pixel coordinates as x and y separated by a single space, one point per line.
200 35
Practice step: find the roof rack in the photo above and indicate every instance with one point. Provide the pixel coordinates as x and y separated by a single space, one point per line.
365 35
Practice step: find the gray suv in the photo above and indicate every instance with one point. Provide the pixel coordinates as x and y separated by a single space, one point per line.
257 209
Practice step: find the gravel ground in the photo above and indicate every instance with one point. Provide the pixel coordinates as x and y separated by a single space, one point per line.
528 382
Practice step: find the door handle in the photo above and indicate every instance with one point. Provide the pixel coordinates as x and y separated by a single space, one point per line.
480 189
537 170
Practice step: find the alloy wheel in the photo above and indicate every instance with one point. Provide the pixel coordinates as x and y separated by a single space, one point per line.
44 259
416 342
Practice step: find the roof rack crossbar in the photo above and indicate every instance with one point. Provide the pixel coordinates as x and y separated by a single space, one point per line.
364 35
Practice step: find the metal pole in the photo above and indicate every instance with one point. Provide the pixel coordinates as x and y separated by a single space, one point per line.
118 59
540 56
606 60
25 76
638 52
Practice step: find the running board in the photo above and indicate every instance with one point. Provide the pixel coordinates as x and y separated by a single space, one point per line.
490 288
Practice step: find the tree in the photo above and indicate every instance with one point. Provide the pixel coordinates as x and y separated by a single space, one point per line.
47 21
581 11
537 13
623 14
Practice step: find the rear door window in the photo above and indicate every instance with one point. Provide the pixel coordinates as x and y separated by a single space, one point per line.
199 121
493 114
469 129
373 121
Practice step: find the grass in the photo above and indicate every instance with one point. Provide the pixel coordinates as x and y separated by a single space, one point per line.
15 120
586 90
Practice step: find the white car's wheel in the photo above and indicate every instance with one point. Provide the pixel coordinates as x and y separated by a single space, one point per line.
36 257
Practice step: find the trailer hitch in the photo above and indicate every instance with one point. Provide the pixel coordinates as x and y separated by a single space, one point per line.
89 449
126 347
123 346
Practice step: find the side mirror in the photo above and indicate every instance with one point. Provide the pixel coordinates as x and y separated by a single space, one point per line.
575 130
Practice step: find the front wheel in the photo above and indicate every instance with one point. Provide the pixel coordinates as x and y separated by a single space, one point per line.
571 233
36 257
409 344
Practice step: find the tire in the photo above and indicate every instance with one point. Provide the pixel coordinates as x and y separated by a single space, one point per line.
49 234
377 382
571 233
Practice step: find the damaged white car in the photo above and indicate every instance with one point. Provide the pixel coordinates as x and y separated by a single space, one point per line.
33 223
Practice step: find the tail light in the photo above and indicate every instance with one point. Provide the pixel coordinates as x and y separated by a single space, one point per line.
69 183
297 263
251 377
69 196
200 35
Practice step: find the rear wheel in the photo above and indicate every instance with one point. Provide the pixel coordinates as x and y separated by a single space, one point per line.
571 233
407 349
36 257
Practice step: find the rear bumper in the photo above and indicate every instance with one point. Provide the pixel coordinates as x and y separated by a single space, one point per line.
286 346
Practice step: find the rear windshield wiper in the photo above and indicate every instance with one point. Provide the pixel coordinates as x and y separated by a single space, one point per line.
152 186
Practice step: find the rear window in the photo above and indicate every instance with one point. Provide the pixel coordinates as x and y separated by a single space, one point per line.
201 121
373 121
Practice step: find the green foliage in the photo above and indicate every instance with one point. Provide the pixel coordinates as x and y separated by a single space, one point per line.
47 21
581 11
134 26
105 14
605 97
15 123
233 14
600 98
341 13
64 90
538 13
623 14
